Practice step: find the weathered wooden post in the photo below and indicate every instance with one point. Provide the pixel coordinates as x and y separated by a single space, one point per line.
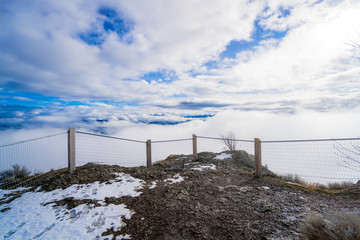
148 153
257 146
194 139
71 150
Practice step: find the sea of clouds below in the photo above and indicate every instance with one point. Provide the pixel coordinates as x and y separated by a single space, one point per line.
245 124
308 159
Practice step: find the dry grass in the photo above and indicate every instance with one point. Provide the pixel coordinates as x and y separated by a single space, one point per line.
332 187
293 178
340 186
337 226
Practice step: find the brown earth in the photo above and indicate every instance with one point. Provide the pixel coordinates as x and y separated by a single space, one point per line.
228 203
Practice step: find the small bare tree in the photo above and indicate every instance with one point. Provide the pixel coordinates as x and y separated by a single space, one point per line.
350 156
353 49
230 141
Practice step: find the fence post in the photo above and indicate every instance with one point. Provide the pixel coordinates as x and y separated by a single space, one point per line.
257 146
71 150
148 153
194 139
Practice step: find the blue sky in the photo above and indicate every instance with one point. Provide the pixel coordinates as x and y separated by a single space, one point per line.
113 64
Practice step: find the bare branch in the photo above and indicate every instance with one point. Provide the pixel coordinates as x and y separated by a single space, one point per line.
350 156
230 141
354 48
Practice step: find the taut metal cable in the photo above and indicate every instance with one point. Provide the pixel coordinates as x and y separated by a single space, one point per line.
312 140
33 139
174 140
105 136
215 138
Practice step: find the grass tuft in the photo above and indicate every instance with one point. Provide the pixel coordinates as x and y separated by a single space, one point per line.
336 226
337 186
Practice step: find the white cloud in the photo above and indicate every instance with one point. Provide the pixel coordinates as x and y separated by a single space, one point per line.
307 70
50 57
23 99
310 61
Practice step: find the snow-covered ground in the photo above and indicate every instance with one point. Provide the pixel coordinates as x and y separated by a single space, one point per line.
34 215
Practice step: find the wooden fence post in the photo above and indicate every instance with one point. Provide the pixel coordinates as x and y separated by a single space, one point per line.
257 146
148 153
194 139
71 150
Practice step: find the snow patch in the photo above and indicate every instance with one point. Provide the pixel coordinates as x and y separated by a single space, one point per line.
153 185
223 156
205 167
34 216
177 178
124 184
6 195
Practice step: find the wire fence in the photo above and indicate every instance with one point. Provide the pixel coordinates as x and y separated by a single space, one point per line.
217 145
101 149
27 160
162 149
315 161
321 161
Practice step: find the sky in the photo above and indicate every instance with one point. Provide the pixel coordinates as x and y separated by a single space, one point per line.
158 69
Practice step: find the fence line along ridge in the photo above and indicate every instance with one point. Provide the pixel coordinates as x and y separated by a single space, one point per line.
286 156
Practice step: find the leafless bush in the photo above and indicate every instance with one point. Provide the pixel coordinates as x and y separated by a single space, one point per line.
350 156
340 185
337 226
354 48
294 178
11 175
230 142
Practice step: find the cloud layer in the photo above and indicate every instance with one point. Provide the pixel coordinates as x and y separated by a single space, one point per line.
104 65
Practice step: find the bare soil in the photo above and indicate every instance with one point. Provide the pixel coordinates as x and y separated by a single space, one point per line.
228 203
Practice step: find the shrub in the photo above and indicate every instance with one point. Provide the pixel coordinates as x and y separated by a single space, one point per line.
340 186
16 173
334 226
294 178
230 141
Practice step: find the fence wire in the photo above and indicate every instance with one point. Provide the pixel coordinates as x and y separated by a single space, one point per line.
160 150
28 160
319 161
100 149
315 161
217 145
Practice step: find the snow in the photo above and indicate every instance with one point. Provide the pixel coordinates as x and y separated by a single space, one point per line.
177 178
124 184
223 156
5 195
35 216
204 167
153 185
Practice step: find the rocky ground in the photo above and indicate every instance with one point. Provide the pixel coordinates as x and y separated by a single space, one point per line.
226 203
